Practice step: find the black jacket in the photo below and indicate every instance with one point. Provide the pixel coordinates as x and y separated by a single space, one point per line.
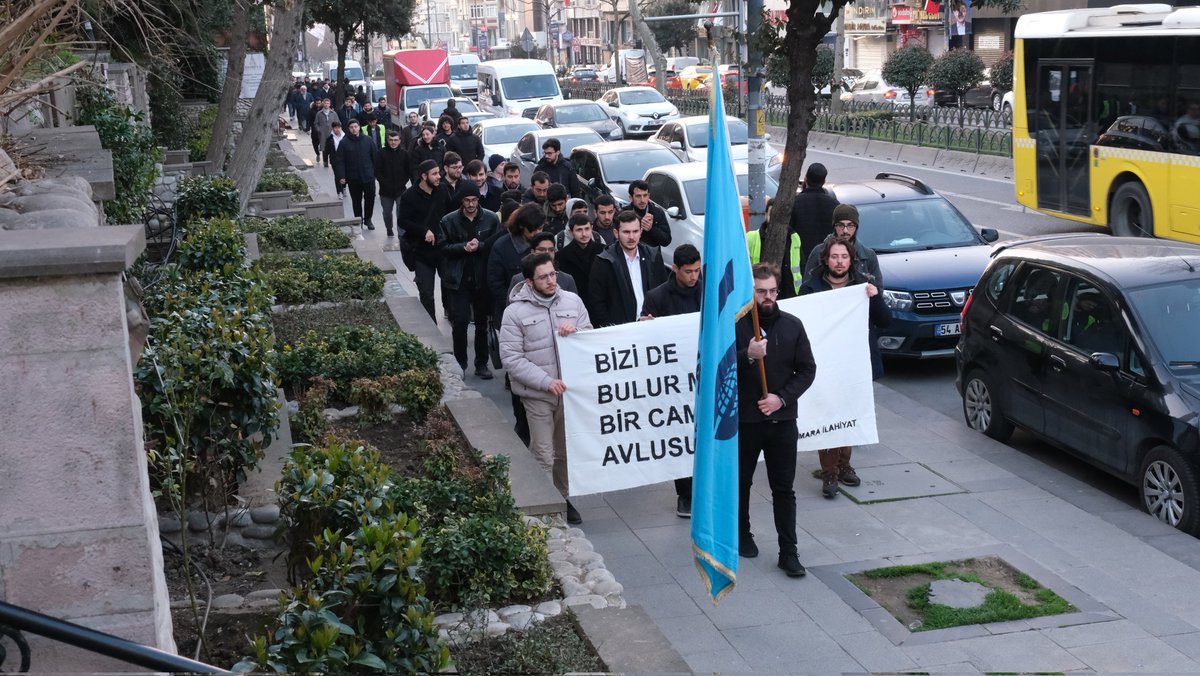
424 151
392 171
409 135
659 234
356 157
384 116
420 212
460 269
607 236
451 112
866 266
562 171
577 261
491 201
812 218
789 363
345 115
528 197
467 145
331 151
669 298
504 262
611 290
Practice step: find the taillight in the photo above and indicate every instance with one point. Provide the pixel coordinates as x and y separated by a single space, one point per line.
929 93
574 80
889 94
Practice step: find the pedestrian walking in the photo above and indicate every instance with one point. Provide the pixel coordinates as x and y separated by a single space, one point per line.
392 171
356 157
464 275
332 144
420 214
623 273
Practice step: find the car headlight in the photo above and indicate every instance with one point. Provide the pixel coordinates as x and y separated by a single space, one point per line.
901 301
674 111
616 133
777 159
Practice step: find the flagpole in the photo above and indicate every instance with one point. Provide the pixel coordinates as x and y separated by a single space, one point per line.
762 365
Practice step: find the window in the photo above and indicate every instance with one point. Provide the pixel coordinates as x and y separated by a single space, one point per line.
581 113
639 96
1090 323
665 192
997 280
698 133
1169 315
585 165
1037 297
526 144
627 167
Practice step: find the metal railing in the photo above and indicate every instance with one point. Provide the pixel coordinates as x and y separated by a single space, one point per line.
920 133
15 619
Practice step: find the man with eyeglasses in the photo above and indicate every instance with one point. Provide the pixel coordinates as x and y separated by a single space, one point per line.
845 226
767 421
538 309
463 273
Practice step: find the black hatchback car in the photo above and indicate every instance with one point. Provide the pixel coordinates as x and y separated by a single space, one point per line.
1092 343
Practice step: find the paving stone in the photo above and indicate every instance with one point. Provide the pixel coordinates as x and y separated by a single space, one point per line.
448 619
579 545
957 593
1146 655
227 601
599 575
265 514
497 628
520 621
897 482
607 588
548 608
593 600
506 611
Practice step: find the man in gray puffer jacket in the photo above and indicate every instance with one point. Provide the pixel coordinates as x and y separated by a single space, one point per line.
536 311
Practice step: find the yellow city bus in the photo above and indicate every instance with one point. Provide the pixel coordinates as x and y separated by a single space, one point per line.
1106 117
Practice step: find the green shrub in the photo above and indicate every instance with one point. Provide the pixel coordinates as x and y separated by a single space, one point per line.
283 179
207 381
374 397
134 151
350 352
1002 72
200 197
171 129
420 391
292 324
214 245
296 233
310 421
549 647
312 279
201 134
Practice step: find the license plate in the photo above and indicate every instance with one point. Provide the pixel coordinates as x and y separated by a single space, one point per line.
948 329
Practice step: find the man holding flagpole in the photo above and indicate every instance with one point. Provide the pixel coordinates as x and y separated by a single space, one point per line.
727 295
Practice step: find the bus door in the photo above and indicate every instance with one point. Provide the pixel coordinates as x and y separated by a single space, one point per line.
1063 129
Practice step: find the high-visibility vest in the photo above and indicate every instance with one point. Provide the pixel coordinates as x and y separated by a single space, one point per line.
754 246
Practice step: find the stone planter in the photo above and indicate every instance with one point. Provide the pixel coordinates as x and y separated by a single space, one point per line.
272 199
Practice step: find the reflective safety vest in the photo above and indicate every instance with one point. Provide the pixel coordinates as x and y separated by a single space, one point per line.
754 246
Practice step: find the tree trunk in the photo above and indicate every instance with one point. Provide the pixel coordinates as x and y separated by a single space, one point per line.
342 43
218 143
650 45
258 131
804 34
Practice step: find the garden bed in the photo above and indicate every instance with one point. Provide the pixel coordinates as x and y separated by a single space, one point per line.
554 646
293 323
315 279
297 234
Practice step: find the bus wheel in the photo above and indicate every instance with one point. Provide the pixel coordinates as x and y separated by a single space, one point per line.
1130 213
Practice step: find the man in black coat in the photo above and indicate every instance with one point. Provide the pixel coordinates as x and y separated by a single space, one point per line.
464 274
812 212
558 168
425 149
489 194
383 114
623 274
332 143
767 420
679 295
347 112
655 228
420 213
356 157
410 133
577 255
451 111
392 172
467 145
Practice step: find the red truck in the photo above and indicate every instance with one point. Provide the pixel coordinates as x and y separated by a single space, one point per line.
413 76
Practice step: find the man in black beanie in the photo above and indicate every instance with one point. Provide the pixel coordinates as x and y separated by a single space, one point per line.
812 210
420 211
464 274
845 224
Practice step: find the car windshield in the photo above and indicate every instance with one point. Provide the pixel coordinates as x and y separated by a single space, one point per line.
463 105
696 191
354 74
630 166
570 142
1171 316
581 113
529 86
698 133
506 133
910 225
637 96
414 97
463 71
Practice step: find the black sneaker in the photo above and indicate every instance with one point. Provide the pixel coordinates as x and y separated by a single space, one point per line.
390 233
573 516
368 225
746 547
829 487
683 507
483 372
790 563
849 477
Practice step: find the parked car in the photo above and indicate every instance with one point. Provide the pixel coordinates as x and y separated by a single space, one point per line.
578 113
609 168
983 95
871 88
640 110
1089 342
687 137
528 150
583 75
1006 103
672 81
500 134
680 190
692 76
930 257
432 109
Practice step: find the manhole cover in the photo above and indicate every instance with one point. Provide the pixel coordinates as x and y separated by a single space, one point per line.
899 482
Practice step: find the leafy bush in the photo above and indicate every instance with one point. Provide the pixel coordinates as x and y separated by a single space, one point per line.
292 324
957 70
201 197
420 391
310 421
215 245
201 134
1002 72
350 352
296 233
171 129
283 179
134 150
311 279
374 397
549 647
906 68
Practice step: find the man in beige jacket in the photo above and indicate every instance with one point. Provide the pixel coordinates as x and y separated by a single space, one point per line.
536 311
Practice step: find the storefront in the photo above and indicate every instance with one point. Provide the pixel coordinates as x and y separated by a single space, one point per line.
865 27
919 26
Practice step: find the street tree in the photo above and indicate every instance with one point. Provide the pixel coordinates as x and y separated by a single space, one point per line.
906 68
649 44
778 67
218 142
678 34
347 20
798 38
957 71
1002 72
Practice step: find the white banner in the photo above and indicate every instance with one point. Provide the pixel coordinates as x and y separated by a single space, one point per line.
629 399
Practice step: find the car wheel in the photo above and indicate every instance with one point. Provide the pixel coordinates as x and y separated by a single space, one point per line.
1131 214
981 408
1168 488
997 102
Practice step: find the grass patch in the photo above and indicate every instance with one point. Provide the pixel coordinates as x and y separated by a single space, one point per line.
553 646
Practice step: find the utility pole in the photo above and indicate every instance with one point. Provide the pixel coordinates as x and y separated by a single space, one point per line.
839 62
429 21
755 117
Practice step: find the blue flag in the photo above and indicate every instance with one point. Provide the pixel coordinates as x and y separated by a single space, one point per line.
728 292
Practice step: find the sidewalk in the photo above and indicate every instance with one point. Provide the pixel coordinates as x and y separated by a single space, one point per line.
1134 581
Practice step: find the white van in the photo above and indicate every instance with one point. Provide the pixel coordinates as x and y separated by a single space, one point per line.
463 74
509 87
354 73
678 63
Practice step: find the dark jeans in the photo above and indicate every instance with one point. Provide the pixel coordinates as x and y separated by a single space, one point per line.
389 205
777 442
462 303
362 198
426 270
683 487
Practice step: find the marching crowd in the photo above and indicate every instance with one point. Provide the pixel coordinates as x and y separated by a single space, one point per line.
516 266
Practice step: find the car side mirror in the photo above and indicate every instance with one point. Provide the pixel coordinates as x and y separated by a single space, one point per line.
676 145
989 234
591 181
674 212
1105 361
766 137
